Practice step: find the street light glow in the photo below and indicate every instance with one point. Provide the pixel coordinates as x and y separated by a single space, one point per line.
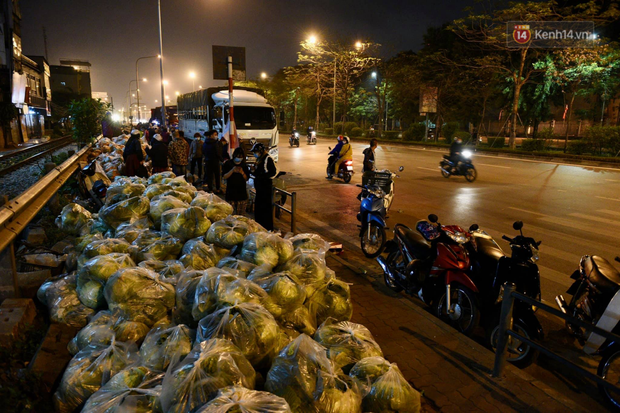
155 100
167 97
374 75
263 75
144 79
312 39
133 95
165 82
192 75
359 44
199 86
177 93
116 117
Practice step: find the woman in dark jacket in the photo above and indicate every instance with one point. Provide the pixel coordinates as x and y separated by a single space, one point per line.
236 174
132 155
158 153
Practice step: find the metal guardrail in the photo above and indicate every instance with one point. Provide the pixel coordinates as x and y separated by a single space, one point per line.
506 333
18 212
276 206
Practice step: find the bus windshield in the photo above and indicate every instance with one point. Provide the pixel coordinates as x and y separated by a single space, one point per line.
252 117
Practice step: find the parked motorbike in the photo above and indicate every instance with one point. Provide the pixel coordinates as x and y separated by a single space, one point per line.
311 138
93 184
293 140
345 170
376 198
432 262
491 269
464 167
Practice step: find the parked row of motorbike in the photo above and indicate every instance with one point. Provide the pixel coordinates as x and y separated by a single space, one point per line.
293 140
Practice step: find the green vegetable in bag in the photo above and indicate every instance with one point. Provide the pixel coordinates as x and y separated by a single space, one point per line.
72 219
185 223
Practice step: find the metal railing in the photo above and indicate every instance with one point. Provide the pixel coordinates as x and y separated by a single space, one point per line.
506 333
292 212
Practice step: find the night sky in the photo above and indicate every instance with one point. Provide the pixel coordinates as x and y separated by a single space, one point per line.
112 34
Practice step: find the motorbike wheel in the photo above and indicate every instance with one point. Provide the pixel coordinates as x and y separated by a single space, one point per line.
609 369
465 315
373 247
347 178
519 354
471 174
396 263
445 174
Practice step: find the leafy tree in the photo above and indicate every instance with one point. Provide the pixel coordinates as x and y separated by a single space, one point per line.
86 116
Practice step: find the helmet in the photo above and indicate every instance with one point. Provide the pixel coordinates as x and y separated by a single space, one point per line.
257 147
345 139
458 140
340 137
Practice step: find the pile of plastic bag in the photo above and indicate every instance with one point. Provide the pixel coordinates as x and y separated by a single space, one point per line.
184 307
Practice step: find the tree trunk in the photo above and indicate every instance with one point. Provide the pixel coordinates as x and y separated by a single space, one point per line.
295 114
515 114
484 110
570 112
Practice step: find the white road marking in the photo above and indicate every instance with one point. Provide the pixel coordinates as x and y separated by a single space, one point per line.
428 169
562 190
583 226
612 180
528 212
555 276
608 199
591 217
609 212
495 166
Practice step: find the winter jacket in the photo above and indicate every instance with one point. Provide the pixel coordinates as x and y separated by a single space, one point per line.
195 149
212 150
133 147
346 152
369 160
337 148
177 152
158 154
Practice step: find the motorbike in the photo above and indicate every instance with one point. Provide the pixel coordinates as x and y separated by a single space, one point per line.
311 139
376 198
596 300
432 263
464 167
293 140
345 170
93 184
491 269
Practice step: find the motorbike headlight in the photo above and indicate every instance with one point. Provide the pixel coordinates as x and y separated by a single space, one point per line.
458 237
535 255
467 154
297 134
313 134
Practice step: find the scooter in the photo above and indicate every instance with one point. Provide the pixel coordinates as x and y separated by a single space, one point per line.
464 167
432 262
294 139
311 138
596 300
93 184
345 171
491 269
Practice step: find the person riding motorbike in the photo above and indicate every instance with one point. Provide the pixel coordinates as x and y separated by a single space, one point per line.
456 149
334 154
346 154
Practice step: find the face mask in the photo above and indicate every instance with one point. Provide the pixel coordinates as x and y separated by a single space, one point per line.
238 160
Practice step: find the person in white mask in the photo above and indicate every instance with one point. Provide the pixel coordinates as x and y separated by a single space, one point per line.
236 174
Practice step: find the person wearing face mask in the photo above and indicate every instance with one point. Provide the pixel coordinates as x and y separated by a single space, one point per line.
236 174
264 172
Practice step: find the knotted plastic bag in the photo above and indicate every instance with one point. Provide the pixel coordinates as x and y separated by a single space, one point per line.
73 218
240 399
165 345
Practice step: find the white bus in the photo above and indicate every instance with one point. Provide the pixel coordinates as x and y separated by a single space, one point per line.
207 109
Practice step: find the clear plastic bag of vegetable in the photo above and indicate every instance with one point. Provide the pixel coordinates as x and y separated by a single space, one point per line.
385 388
165 345
236 266
309 243
156 245
215 207
63 302
139 294
160 176
168 269
103 247
83 241
308 267
161 204
129 231
185 292
200 256
127 210
299 320
99 226
240 399
330 299
210 366
176 181
252 225
119 191
304 376
185 223
72 219
287 293
218 288
227 233
175 192
134 389
346 342
95 272
265 248
90 369
154 190
247 325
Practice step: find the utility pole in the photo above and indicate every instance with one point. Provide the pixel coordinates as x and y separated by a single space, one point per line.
161 68
45 44
334 99
232 130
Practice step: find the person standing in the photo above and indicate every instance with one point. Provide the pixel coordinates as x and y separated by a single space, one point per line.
132 154
369 166
212 152
158 152
236 174
263 174
177 152
195 155
165 135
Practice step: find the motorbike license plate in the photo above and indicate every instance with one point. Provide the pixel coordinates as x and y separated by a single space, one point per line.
349 168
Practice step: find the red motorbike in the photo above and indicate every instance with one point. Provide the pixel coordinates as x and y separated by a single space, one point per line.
432 262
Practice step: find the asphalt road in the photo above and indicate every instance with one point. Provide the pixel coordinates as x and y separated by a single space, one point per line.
573 210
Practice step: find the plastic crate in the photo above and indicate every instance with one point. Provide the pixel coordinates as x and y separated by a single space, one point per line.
382 179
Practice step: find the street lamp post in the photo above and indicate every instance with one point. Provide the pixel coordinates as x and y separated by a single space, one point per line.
161 68
192 75
138 80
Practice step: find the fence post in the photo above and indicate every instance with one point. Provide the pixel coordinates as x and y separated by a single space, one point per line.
17 292
294 212
273 203
505 323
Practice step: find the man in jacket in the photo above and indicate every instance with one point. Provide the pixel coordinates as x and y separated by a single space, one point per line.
212 152
264 172
369 156
195 155
158 152
334 154
177 152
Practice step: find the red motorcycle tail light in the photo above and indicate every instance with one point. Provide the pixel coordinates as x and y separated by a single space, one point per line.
349 163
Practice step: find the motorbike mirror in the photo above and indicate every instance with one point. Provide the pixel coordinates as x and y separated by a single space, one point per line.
280 174
402 168
433 218
329 147
474 227
618 259
518 225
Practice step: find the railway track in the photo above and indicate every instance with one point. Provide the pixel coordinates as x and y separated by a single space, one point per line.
21 157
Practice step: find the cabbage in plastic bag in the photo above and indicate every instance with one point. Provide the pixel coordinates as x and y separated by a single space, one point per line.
200 256
99 226
227 233
127 210
103 247
72 219
120 191
185 294
308 267
252 225
83 241
210 366
156 189
176 182
168 269
63 303
218 288
134 389
299 320
165 345
304 376
247 325
139 295
287 293
236 266
129 231
95 273
160 176
161 204
240 399
215 207
185 223
331 299
347 343
385 388
156 245
90 369
264 248
309 243
182 195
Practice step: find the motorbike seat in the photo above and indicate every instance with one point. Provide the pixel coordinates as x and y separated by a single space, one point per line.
414 241
447 157
602 274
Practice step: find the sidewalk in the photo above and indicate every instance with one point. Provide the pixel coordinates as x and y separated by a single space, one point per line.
452 371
